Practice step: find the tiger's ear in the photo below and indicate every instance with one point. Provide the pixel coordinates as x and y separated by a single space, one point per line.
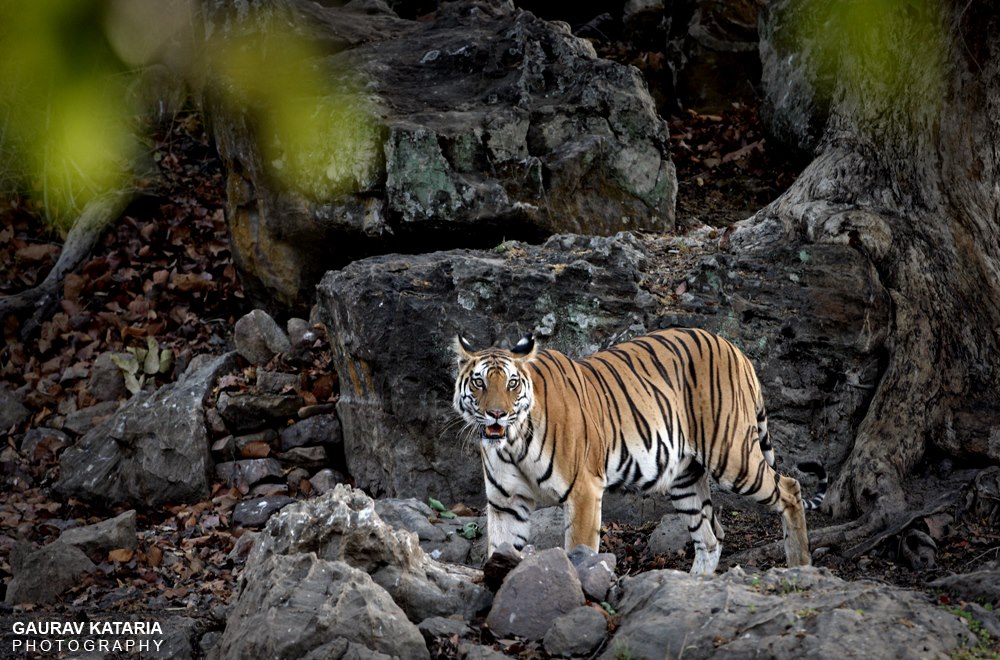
525 349
463 349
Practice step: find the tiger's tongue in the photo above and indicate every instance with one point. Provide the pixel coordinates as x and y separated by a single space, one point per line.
494 431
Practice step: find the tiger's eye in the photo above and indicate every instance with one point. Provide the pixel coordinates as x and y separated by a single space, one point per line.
513 383
478 383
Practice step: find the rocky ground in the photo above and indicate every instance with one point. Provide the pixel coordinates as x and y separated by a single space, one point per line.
165 272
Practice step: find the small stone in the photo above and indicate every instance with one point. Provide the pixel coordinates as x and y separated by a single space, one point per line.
214 422
305 456
106 382
577 633
117 532
246 413
670 537
225 446
503 560
276 382
595 570
295 476
268 489
12 411
40 441
266 436
317 409
438 626
326 480
251 470
258 338
255 512
316 430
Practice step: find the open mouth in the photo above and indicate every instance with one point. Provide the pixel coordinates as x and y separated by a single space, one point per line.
494 432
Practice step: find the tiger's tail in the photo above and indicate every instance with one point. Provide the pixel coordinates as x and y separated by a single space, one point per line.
763 437
812 467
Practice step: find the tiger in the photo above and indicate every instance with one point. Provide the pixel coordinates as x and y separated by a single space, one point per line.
657 413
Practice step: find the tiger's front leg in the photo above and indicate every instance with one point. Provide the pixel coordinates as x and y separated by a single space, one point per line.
509 503
583 515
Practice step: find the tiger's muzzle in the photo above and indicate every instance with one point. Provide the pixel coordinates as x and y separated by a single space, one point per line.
495 428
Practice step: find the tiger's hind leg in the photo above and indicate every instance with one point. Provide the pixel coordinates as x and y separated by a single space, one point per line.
793 520
783 495
692 497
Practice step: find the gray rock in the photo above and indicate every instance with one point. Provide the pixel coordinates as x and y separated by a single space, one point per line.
316 430
575 293
40 441
295 476
500 563
275 382
541 588
526 133
983 586
246 413
117 532
411 515
179 638
577 633
82 420
302 333
800 613
307 457
258 338
595 570
267 435
439 626
442 539
154 450
12 411
257 511
106 382
251 470
291 605
43 575
670 537
547 528
354 533
326 480
470 651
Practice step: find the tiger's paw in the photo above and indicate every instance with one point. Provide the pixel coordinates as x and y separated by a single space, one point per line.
705 561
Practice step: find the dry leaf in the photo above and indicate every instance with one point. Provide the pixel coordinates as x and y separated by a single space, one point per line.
121 555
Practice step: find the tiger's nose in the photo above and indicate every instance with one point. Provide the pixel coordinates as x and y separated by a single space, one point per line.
497 414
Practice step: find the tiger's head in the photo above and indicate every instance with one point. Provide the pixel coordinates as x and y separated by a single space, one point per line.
493 391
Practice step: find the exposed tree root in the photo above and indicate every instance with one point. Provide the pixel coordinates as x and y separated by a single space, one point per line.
83 236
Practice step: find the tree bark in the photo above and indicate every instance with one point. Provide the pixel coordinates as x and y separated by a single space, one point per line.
906 172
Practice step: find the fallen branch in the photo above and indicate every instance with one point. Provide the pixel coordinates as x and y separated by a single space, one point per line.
83 236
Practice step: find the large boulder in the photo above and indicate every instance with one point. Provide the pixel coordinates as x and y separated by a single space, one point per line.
154 450
483 123
812 319
303 606
784 613
393 321
342 526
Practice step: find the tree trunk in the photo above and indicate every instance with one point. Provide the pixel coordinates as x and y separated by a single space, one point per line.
906 172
